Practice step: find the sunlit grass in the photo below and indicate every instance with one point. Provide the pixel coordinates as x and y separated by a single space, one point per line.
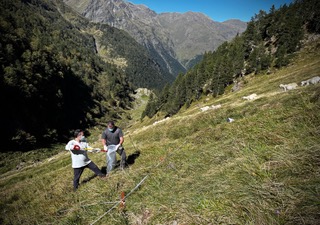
263 168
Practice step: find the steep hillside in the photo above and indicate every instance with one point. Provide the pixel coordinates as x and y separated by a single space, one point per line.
193 168
59 71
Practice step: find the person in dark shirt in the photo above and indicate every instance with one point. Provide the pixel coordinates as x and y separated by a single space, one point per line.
113 135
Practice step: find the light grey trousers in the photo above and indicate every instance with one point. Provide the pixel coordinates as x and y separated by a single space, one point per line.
111 161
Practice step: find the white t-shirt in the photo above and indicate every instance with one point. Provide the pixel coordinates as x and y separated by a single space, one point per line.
79 157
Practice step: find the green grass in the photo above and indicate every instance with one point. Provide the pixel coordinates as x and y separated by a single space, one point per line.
263 168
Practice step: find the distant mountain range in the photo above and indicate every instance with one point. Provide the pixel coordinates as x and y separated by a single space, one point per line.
176 41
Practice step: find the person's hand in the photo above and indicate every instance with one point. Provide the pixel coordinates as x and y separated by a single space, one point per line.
105 148
76 147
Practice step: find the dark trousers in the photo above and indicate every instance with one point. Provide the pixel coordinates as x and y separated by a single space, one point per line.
79 171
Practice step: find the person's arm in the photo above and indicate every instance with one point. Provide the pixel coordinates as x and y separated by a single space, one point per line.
104 138
121 138
72 146
67 147
104 141
121 141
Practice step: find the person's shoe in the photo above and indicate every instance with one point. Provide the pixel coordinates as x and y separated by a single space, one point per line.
103 177
122 167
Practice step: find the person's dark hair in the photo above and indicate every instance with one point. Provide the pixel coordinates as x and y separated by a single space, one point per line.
111 123
77 132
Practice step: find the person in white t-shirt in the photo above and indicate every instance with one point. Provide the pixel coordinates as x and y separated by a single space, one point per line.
80 159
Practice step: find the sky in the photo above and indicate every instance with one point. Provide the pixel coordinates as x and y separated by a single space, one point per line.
217 10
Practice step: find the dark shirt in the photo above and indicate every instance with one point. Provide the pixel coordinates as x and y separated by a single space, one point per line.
112 137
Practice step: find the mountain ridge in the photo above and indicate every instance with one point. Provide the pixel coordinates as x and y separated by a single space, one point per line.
155 32
193 41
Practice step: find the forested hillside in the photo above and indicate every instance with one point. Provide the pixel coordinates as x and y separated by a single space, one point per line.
60 72
118 47
269 43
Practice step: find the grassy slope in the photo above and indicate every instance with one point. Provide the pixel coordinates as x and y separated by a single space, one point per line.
261 169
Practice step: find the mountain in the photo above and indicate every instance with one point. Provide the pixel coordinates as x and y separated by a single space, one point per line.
139 21
175 40
193 34
117 47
